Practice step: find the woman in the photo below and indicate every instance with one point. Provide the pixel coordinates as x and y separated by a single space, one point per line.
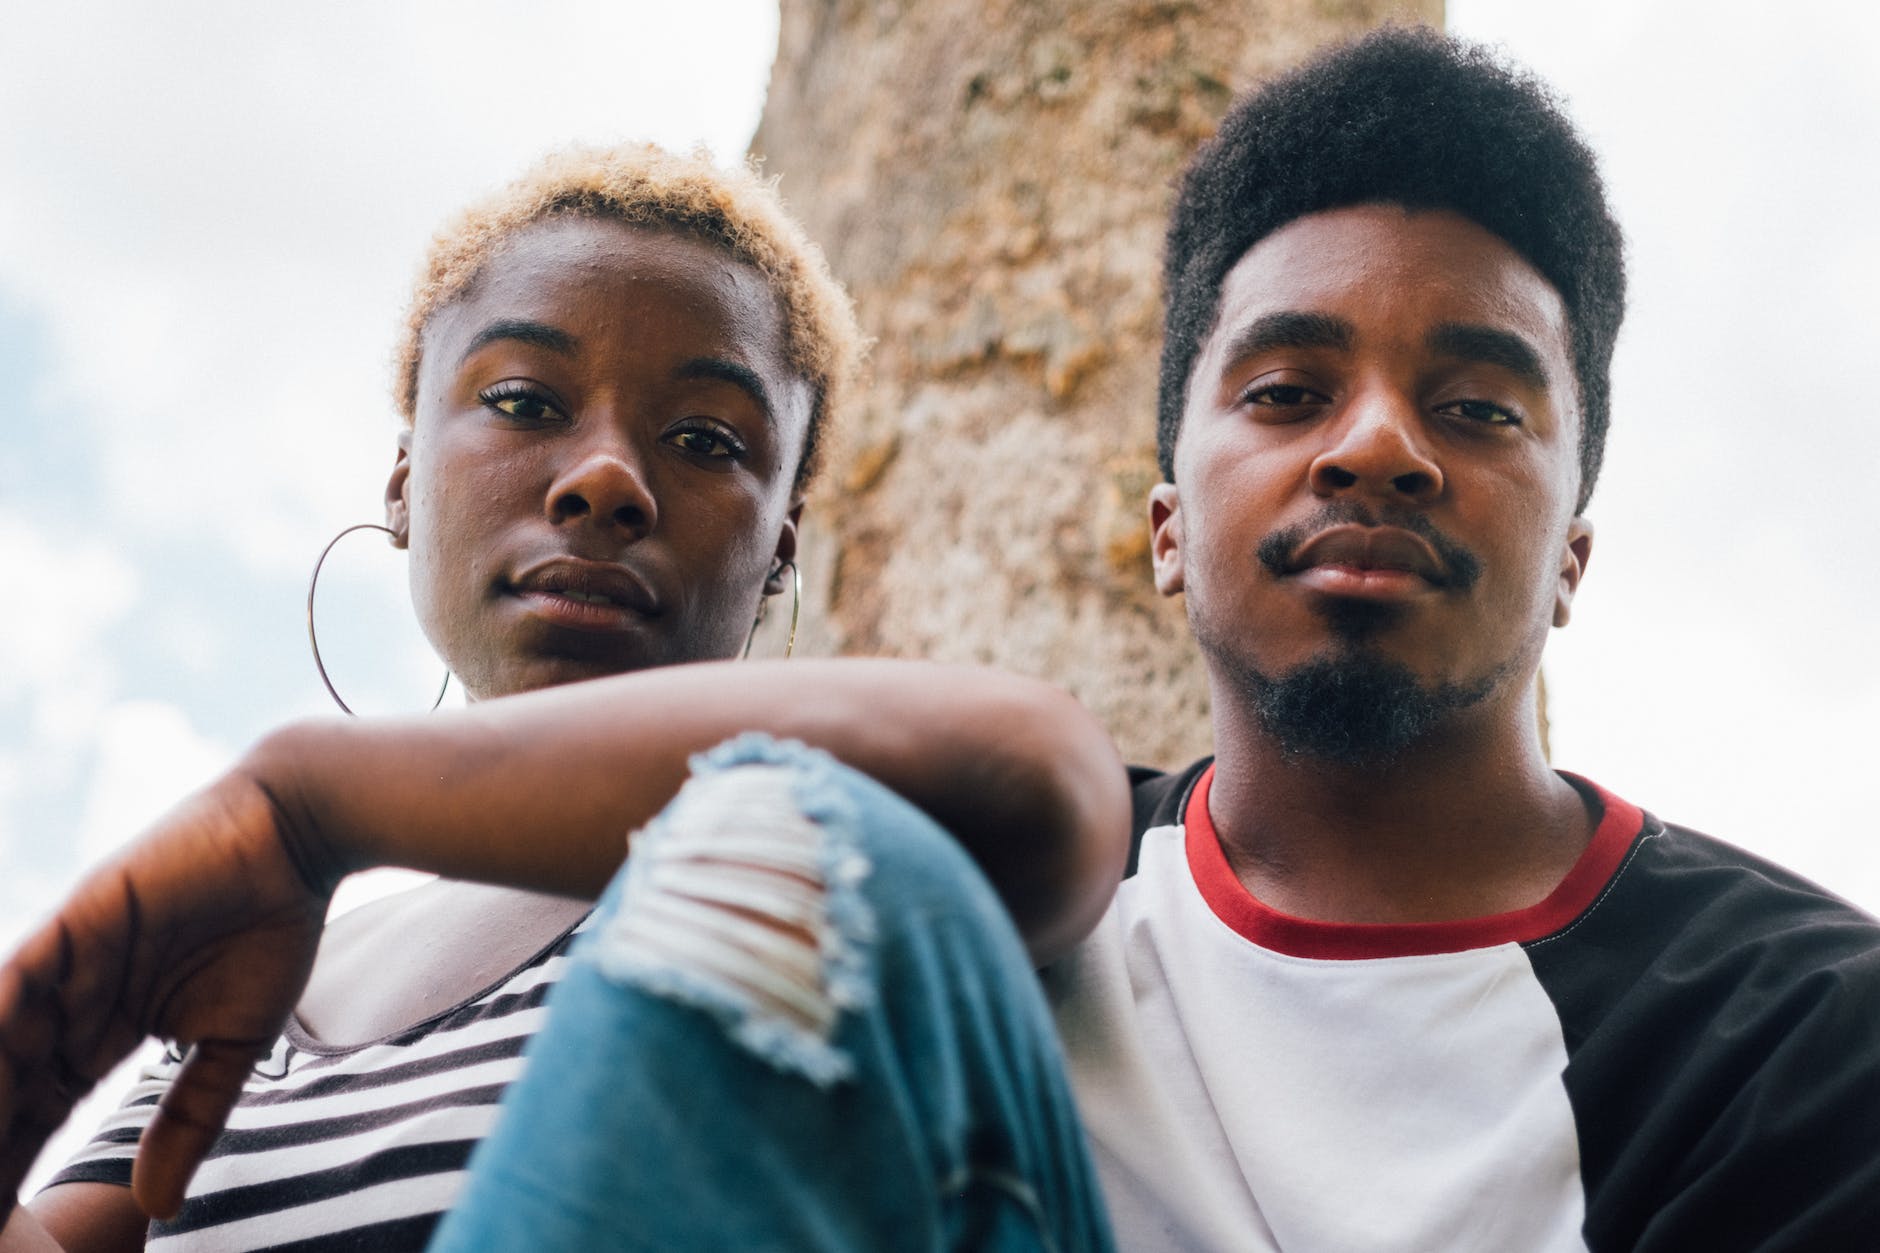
614 382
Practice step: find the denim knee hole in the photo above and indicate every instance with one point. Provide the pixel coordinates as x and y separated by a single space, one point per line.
740 902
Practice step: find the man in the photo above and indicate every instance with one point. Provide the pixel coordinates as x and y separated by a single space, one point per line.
1381 978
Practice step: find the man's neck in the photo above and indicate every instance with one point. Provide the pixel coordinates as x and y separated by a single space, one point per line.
1470 822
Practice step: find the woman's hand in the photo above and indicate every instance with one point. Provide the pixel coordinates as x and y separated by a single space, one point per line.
201 932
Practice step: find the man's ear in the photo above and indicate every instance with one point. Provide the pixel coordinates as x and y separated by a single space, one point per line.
786 549
397 499
1577 551
1165 538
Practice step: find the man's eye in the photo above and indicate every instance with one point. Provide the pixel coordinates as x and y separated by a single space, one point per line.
1484 412
1281 394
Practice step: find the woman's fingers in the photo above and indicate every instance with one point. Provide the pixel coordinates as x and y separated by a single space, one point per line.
202 931
59 1032
16 1157
187 1121
33 1101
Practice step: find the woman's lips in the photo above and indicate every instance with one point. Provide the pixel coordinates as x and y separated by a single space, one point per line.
586 595
571 609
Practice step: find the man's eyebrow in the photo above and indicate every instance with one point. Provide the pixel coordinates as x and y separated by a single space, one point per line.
733 372
1490 346
538 334
1287 330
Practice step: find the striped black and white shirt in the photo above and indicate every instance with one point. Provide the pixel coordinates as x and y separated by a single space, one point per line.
330 1148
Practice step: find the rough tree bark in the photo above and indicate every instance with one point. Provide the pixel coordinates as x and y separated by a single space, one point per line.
991 178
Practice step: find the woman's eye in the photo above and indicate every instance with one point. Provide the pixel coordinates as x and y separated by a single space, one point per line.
704 441
1485 412
522 404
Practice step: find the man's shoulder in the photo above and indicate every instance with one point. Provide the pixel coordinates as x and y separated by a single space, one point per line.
1722 1016
1692 930
1157 799
1158 795
1709 885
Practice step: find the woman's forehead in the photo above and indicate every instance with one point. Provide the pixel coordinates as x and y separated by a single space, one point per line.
573 272
569 258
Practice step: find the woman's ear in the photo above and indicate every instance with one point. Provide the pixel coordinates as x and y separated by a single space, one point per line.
397 502
786 550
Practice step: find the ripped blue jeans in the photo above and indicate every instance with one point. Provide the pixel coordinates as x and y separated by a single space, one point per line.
800 1021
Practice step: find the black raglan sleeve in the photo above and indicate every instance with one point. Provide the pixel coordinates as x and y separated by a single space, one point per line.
1722 1023
1157 798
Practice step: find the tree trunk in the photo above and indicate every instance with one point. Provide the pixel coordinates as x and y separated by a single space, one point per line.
991 179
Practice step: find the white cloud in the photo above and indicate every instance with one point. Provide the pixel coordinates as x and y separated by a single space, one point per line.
64 593
56 673
149 755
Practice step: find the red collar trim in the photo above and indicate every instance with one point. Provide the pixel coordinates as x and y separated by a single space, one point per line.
1619 824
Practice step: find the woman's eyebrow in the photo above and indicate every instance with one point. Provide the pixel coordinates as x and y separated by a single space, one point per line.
733 372
1490 345
537 334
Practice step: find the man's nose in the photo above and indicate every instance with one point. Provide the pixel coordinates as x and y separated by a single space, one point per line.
1379 447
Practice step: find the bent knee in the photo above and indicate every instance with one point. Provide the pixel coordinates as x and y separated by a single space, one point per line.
744 901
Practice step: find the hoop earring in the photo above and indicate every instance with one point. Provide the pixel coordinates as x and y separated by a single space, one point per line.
313 639
796 610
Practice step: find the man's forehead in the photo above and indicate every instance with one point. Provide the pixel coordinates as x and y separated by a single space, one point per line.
1426 258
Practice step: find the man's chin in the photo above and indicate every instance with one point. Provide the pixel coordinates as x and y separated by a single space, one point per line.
1353 706
1353 620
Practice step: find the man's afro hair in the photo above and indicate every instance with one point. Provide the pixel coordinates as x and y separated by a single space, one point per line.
1410 116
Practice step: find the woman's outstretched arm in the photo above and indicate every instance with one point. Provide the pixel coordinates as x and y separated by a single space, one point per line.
538 790
204 930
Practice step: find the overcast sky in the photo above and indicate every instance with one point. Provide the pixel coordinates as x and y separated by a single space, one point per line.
209 213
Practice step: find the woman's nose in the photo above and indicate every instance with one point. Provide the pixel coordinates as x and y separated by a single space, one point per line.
605 485
1380 450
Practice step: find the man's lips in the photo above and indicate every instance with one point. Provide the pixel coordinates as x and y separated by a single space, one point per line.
1367 560
593 595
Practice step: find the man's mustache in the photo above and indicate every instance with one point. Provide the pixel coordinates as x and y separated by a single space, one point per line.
1461 568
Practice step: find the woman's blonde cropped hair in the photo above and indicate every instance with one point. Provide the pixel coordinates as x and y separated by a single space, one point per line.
644 185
